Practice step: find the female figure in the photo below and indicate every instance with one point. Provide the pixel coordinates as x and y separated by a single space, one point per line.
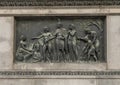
23 53
72 43
60 42
47 45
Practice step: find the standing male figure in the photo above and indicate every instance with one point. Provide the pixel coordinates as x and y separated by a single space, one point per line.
92 44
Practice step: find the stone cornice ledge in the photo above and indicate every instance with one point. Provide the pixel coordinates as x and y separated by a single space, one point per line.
29 3
60 74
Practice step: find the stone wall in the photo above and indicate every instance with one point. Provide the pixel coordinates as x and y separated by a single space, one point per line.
112 51
60 82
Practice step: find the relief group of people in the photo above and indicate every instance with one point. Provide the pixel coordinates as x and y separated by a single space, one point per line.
59 46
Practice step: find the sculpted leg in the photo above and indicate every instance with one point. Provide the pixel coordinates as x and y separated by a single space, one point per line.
75 52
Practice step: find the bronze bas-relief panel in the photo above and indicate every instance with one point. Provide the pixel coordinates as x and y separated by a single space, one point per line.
60 39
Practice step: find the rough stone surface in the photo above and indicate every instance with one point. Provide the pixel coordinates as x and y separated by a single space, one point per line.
62 66
60 82
113 46
113 42
6 42
65 82
108 82
17 82
62 11
48 82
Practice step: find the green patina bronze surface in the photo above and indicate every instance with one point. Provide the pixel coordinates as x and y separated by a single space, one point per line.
60 39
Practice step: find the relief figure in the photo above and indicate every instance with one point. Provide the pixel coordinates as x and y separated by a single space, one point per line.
61 44
46 49
72 43
92 43
23 53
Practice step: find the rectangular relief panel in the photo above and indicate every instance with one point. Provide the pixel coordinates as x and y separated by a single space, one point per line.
60 40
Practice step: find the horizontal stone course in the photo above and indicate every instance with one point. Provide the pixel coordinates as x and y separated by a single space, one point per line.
59 3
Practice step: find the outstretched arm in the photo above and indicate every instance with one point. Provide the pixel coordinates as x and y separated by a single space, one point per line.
95 37
33 38
25 49
82 39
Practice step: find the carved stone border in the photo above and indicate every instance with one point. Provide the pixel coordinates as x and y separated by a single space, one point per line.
33 73
21 3
30 3
59 74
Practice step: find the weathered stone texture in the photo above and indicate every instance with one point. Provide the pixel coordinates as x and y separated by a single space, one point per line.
6 42
113 42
